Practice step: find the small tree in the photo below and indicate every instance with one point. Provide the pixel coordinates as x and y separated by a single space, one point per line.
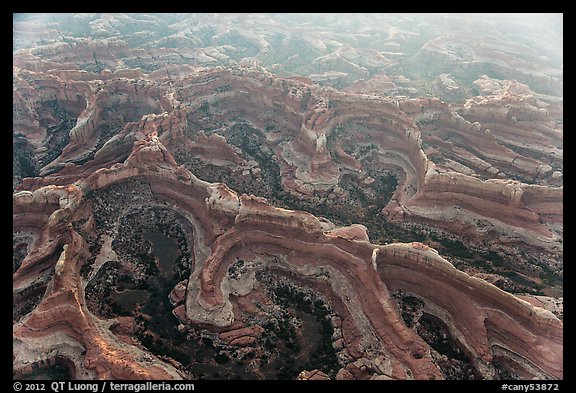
221 358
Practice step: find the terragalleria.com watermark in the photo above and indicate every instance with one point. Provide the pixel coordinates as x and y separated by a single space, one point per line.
106 386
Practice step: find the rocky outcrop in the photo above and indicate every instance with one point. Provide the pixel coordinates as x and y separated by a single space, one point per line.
313 375
343 258
242 337
117 146
397 267
63 311
314 117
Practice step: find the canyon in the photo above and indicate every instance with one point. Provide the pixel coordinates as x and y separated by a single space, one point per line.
192 211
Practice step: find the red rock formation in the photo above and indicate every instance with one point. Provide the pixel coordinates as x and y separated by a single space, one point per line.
345 254
402 268
313 375
242 337
63 310
300 123
214 149
306 160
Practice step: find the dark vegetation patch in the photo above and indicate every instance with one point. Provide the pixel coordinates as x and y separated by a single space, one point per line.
25 301
454 363
299 336
410 307
24 162
452 360
19 252
57 135
58 369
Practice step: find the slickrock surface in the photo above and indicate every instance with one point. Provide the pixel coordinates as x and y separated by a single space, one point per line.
179 215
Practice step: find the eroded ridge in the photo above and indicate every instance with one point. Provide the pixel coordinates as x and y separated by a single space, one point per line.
185 213
350 278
